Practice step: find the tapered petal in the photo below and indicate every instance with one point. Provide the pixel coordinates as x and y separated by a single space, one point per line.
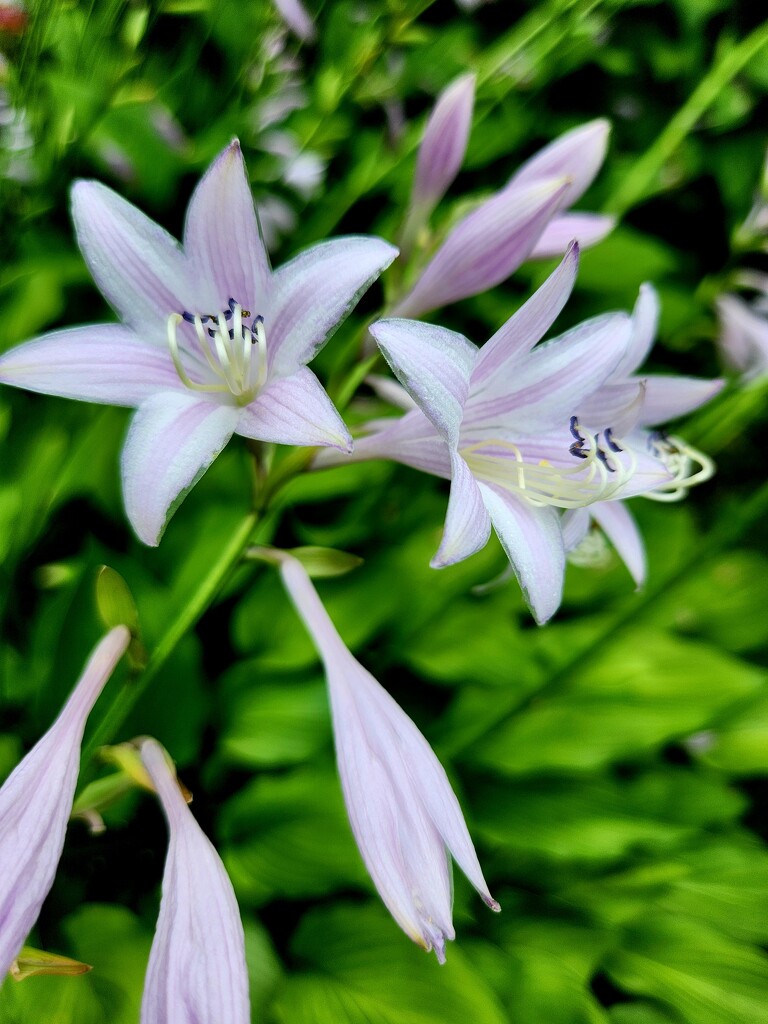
618 406
295 410
577 154
172 440
197 971
402 809
667 398
575 526
619 526
222 239
390 391
314 292
434 366
467 523
444 142
138 266
533 541
585 228
412 440
485 247
528 325
744 336
556 378
36 802
645 322
103 363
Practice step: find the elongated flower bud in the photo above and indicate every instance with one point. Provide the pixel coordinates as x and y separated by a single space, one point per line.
197 970
444 143
403 812
36 801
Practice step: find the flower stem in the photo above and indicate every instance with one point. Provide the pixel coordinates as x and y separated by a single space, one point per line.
125 699
644 173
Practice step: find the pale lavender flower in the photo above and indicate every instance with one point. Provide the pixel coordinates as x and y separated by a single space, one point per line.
743 339
525 219
36 802
403 812
664 398
297 18
212 341
197 971
444 143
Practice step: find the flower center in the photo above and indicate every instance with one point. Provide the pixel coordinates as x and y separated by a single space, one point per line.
233 351
604 467
687 465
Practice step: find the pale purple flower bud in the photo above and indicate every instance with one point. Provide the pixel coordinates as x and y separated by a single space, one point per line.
297 19
577 154
197 971
444 143
743 337
36 801
404 815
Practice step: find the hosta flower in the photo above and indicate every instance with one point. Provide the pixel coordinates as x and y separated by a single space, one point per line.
743 337
197 972
514 429
444 143
525 219
212 341
664 398
403 812
36 801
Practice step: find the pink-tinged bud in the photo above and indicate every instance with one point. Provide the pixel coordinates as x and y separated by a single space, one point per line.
444 143
485 247
197 971
297 19
404 815
36 801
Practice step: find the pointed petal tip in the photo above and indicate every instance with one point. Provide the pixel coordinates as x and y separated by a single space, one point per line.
491 903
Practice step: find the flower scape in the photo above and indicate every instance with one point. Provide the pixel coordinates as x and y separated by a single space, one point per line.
392 562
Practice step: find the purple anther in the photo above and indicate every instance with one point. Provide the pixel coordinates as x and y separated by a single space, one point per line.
189 317
608 434
258 319
574 428
577 450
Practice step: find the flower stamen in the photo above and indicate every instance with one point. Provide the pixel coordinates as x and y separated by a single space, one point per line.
687 465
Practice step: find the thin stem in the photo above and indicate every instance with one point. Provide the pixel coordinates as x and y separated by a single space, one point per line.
125 699
643 174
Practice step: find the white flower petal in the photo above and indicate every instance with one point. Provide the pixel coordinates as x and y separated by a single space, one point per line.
295 410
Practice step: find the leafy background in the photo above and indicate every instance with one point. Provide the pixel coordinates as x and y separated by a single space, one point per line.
612 764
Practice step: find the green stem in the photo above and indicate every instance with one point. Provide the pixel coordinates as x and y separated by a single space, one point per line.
126 698
641 177
723 536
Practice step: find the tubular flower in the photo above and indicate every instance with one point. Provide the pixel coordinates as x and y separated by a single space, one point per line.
502 423
36 801
404 815
197 971
526 219
664 398
212 341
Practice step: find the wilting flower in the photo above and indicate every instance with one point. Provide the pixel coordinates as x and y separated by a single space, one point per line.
664 398
212 341
403 812
36 801
525 219
743 337
503 423
197 971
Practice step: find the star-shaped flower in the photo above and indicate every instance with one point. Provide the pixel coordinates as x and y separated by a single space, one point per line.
212 342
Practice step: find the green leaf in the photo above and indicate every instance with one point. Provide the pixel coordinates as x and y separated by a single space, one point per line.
362 967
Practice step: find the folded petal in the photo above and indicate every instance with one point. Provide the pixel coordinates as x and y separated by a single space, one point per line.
295 410
138 266
485 247
444 142
645 321
533 541
585 228
172 440
102 363
667 398
528 325
315 291
467 524
577 154
619 526
222 239
555 379
36 802
197 970
434 366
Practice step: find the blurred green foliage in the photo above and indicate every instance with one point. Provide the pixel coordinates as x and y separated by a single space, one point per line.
612 764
